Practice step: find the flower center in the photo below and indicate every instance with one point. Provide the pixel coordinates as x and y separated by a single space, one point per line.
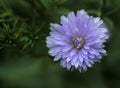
78 42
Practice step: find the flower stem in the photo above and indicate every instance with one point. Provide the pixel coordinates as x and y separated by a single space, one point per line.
103 8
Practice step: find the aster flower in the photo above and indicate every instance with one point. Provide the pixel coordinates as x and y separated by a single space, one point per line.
78 41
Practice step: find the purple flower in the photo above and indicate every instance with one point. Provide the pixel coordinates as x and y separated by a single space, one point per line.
78 41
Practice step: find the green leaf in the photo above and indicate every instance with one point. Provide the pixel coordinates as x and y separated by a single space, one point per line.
94 12
47 3
63 11
109 22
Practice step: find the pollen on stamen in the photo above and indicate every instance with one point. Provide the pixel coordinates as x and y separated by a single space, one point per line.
78 42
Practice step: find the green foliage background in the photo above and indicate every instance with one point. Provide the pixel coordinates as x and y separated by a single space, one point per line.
24 59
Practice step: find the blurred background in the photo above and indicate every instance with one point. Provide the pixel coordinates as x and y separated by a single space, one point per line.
24 59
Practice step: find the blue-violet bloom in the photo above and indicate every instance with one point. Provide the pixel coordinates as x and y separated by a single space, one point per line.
78 40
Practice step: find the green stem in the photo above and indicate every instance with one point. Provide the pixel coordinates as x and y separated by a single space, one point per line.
103 8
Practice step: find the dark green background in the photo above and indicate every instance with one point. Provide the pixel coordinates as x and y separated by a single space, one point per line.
24 59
